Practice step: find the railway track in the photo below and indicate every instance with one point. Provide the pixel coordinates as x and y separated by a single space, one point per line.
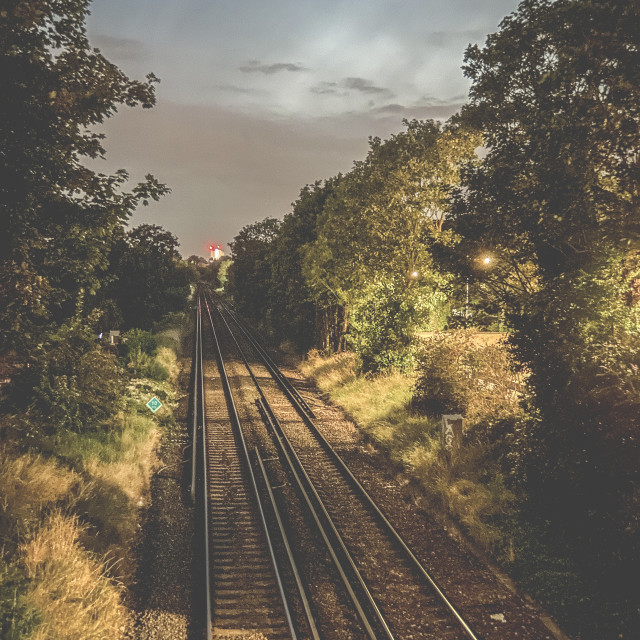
297 547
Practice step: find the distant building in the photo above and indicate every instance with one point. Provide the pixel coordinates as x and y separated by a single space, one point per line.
215 251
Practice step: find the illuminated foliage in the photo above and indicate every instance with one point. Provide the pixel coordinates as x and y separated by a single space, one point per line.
556 92
372 248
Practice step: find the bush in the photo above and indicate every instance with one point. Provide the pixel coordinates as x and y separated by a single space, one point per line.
137 343
69 383
384 323
153 370
457 373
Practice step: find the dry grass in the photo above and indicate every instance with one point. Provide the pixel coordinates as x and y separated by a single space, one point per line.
461 485
28 483
330 373
168 359
68 586
117 490
132 472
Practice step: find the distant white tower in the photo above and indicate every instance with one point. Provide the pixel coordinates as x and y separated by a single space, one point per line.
215 251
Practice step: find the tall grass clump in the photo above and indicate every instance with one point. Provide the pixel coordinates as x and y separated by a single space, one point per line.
29 484
51 585
68 588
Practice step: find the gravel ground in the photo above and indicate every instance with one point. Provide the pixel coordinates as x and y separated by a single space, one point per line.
163 590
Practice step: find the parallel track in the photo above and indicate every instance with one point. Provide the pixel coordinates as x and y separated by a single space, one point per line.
242 587
390 591
398 585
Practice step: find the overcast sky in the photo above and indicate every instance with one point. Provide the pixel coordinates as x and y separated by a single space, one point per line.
260 97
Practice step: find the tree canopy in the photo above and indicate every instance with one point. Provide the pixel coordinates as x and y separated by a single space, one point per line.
58 216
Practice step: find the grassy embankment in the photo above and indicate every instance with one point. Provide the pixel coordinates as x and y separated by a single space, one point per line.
462 375
70 511
384 408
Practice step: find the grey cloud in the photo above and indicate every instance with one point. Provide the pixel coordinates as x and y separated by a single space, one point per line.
365 86
255 66
390 108
345 85
327 88
232 88
433 101
441 111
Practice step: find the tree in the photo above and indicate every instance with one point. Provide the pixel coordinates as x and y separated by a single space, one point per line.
556 92
249 275
299 313
373 234
58 217
150 278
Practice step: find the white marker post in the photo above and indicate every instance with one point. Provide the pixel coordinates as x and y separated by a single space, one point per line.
452 432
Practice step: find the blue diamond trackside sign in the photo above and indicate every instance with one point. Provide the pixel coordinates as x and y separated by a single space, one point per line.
154 404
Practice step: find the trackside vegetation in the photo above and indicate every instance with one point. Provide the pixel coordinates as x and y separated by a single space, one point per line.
78 444
72 500
519 215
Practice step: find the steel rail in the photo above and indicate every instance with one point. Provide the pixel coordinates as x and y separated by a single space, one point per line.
199 410
285 540
235 419
471 635
288 453
280 378
194 408
298 470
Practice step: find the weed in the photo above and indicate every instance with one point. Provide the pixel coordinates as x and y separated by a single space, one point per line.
28 484
68 588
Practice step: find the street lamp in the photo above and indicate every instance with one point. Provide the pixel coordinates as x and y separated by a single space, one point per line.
485 261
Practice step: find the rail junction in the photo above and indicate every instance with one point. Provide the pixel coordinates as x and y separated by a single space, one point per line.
294 546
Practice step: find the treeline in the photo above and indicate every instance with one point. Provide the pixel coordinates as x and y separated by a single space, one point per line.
542 228
352 264
69 266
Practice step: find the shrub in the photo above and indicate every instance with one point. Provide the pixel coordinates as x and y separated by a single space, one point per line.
457 373
69 383
383 326
153 370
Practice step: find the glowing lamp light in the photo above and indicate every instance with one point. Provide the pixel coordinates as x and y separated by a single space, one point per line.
486 259
414 274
